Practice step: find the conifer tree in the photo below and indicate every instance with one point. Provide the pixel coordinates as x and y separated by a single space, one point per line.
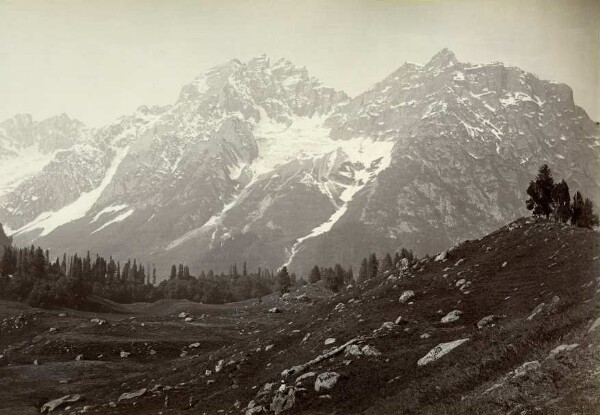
283 280
540 193
373 266
363 272
561 202
315 275
387 264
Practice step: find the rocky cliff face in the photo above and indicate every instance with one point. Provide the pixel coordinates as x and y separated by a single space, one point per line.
259 162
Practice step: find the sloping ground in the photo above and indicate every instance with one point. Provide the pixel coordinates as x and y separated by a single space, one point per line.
539 354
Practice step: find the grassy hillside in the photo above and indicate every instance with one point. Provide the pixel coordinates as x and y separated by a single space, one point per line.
539 280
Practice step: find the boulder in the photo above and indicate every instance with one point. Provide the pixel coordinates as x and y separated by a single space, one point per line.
451 316
353 350
56 403
326 381
441 256
370 351
283 400
219 366
439 351
132 395
562 348
406 295
526 368
487 320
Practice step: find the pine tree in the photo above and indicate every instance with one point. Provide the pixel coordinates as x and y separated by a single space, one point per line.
387 264
576 208
283 280
373 267
315 275
363 272
540 193
173 272
588 218
561 202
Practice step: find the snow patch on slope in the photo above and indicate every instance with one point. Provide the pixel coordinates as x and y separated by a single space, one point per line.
362 150
49 221
27 163
119 218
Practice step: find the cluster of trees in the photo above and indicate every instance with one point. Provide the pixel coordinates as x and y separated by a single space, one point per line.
550 199
29 274
337 277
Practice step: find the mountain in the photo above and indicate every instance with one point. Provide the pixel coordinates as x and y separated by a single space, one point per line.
259 162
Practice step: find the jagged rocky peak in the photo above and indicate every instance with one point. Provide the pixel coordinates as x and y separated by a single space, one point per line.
444 58
50 134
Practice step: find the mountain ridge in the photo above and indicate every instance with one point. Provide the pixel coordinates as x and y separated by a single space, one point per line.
259 162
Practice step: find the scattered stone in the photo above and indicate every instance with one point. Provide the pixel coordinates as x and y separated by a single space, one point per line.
526 367
425 335
504 264
305 376
79 357
52 405
219 366
274 310
269 347
329 341
388 325
124 354
339 307
451 316
36 363
52 330
353 350
326 381
594 325
439 351
183 314
194 345
442 256
460 261
406 295
98 321
188 319
488 320
283 400
62 315
399 320
370 351
460 282
562 348
306 337
132 395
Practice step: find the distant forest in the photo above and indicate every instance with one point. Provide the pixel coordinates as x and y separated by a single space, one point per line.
29 274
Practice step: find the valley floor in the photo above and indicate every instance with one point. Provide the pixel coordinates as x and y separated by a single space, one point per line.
539 353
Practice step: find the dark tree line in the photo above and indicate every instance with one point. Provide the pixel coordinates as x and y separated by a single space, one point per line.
29 274
549 199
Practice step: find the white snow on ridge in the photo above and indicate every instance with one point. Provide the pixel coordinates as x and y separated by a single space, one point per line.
109 209
119 218
27 163
49 221
365 151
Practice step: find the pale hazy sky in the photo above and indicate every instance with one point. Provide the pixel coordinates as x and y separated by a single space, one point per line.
99 59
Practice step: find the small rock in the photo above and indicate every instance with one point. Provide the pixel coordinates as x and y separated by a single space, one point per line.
274 310
353 350
329 341
132 395
439 351
370 351
388 325
52 405
219 366
526 367
194 345
183 314
562 348
487 320
79 357
124 354
52 330
406 295
326 381
188 319
441 256
451 316
269 347
425 335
